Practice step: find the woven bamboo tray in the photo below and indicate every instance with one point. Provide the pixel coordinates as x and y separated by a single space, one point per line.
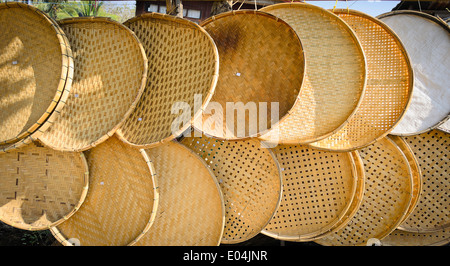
250 179
386 200
36 71
191 209
183 65
432 212
121 204
427 40
261 62
318 189
402 238
389 85
335 75
109 78
41 187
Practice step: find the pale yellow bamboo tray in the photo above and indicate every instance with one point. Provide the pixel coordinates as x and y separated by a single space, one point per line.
403 238
36 72
122 200
191 209
261 62
432 212
318 189
182 76
250 179
335 76
387 196
388 90
41 187
109 78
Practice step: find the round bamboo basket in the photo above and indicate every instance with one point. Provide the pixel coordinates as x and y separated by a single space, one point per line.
37 68
427 40
191 209
431 214
182 76
387 196
403 238
122 201
261 70
250 180
318 189
110 74
335 77
41 187
388 90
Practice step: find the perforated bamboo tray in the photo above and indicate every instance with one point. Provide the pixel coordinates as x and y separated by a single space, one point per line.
250 179
109 78
387 196
318 189
335 77
261 62
389 85
432 212
403 238
182 76
36 73
191 209
41 187
122 200
427 40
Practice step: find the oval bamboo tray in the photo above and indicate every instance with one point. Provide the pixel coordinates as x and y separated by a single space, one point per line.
122 200
427 40
261 62
431 214
109 78
37 68
250 179
318 189
386 200
41 187
191 209
388 90
402 238
335 77
182 76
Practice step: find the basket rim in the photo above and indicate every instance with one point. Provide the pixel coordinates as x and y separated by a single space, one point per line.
66 73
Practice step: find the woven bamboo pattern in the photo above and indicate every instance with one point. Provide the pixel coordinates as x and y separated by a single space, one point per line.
36 62
41 187
403 238
191 209
122 200
183 63
388 90
261 61
386 200
110 74
318 189
249 178
432 212
426 38
335 77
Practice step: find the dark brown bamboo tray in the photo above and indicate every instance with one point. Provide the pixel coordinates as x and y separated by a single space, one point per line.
182 76
41 187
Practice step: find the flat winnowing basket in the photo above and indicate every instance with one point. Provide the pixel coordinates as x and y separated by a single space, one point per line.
250 179
37 69
389 85
41 187
110 74
122 200
335 74
432 212
182 76
426 38
403 238
318 190
191 209
261 74
386 200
